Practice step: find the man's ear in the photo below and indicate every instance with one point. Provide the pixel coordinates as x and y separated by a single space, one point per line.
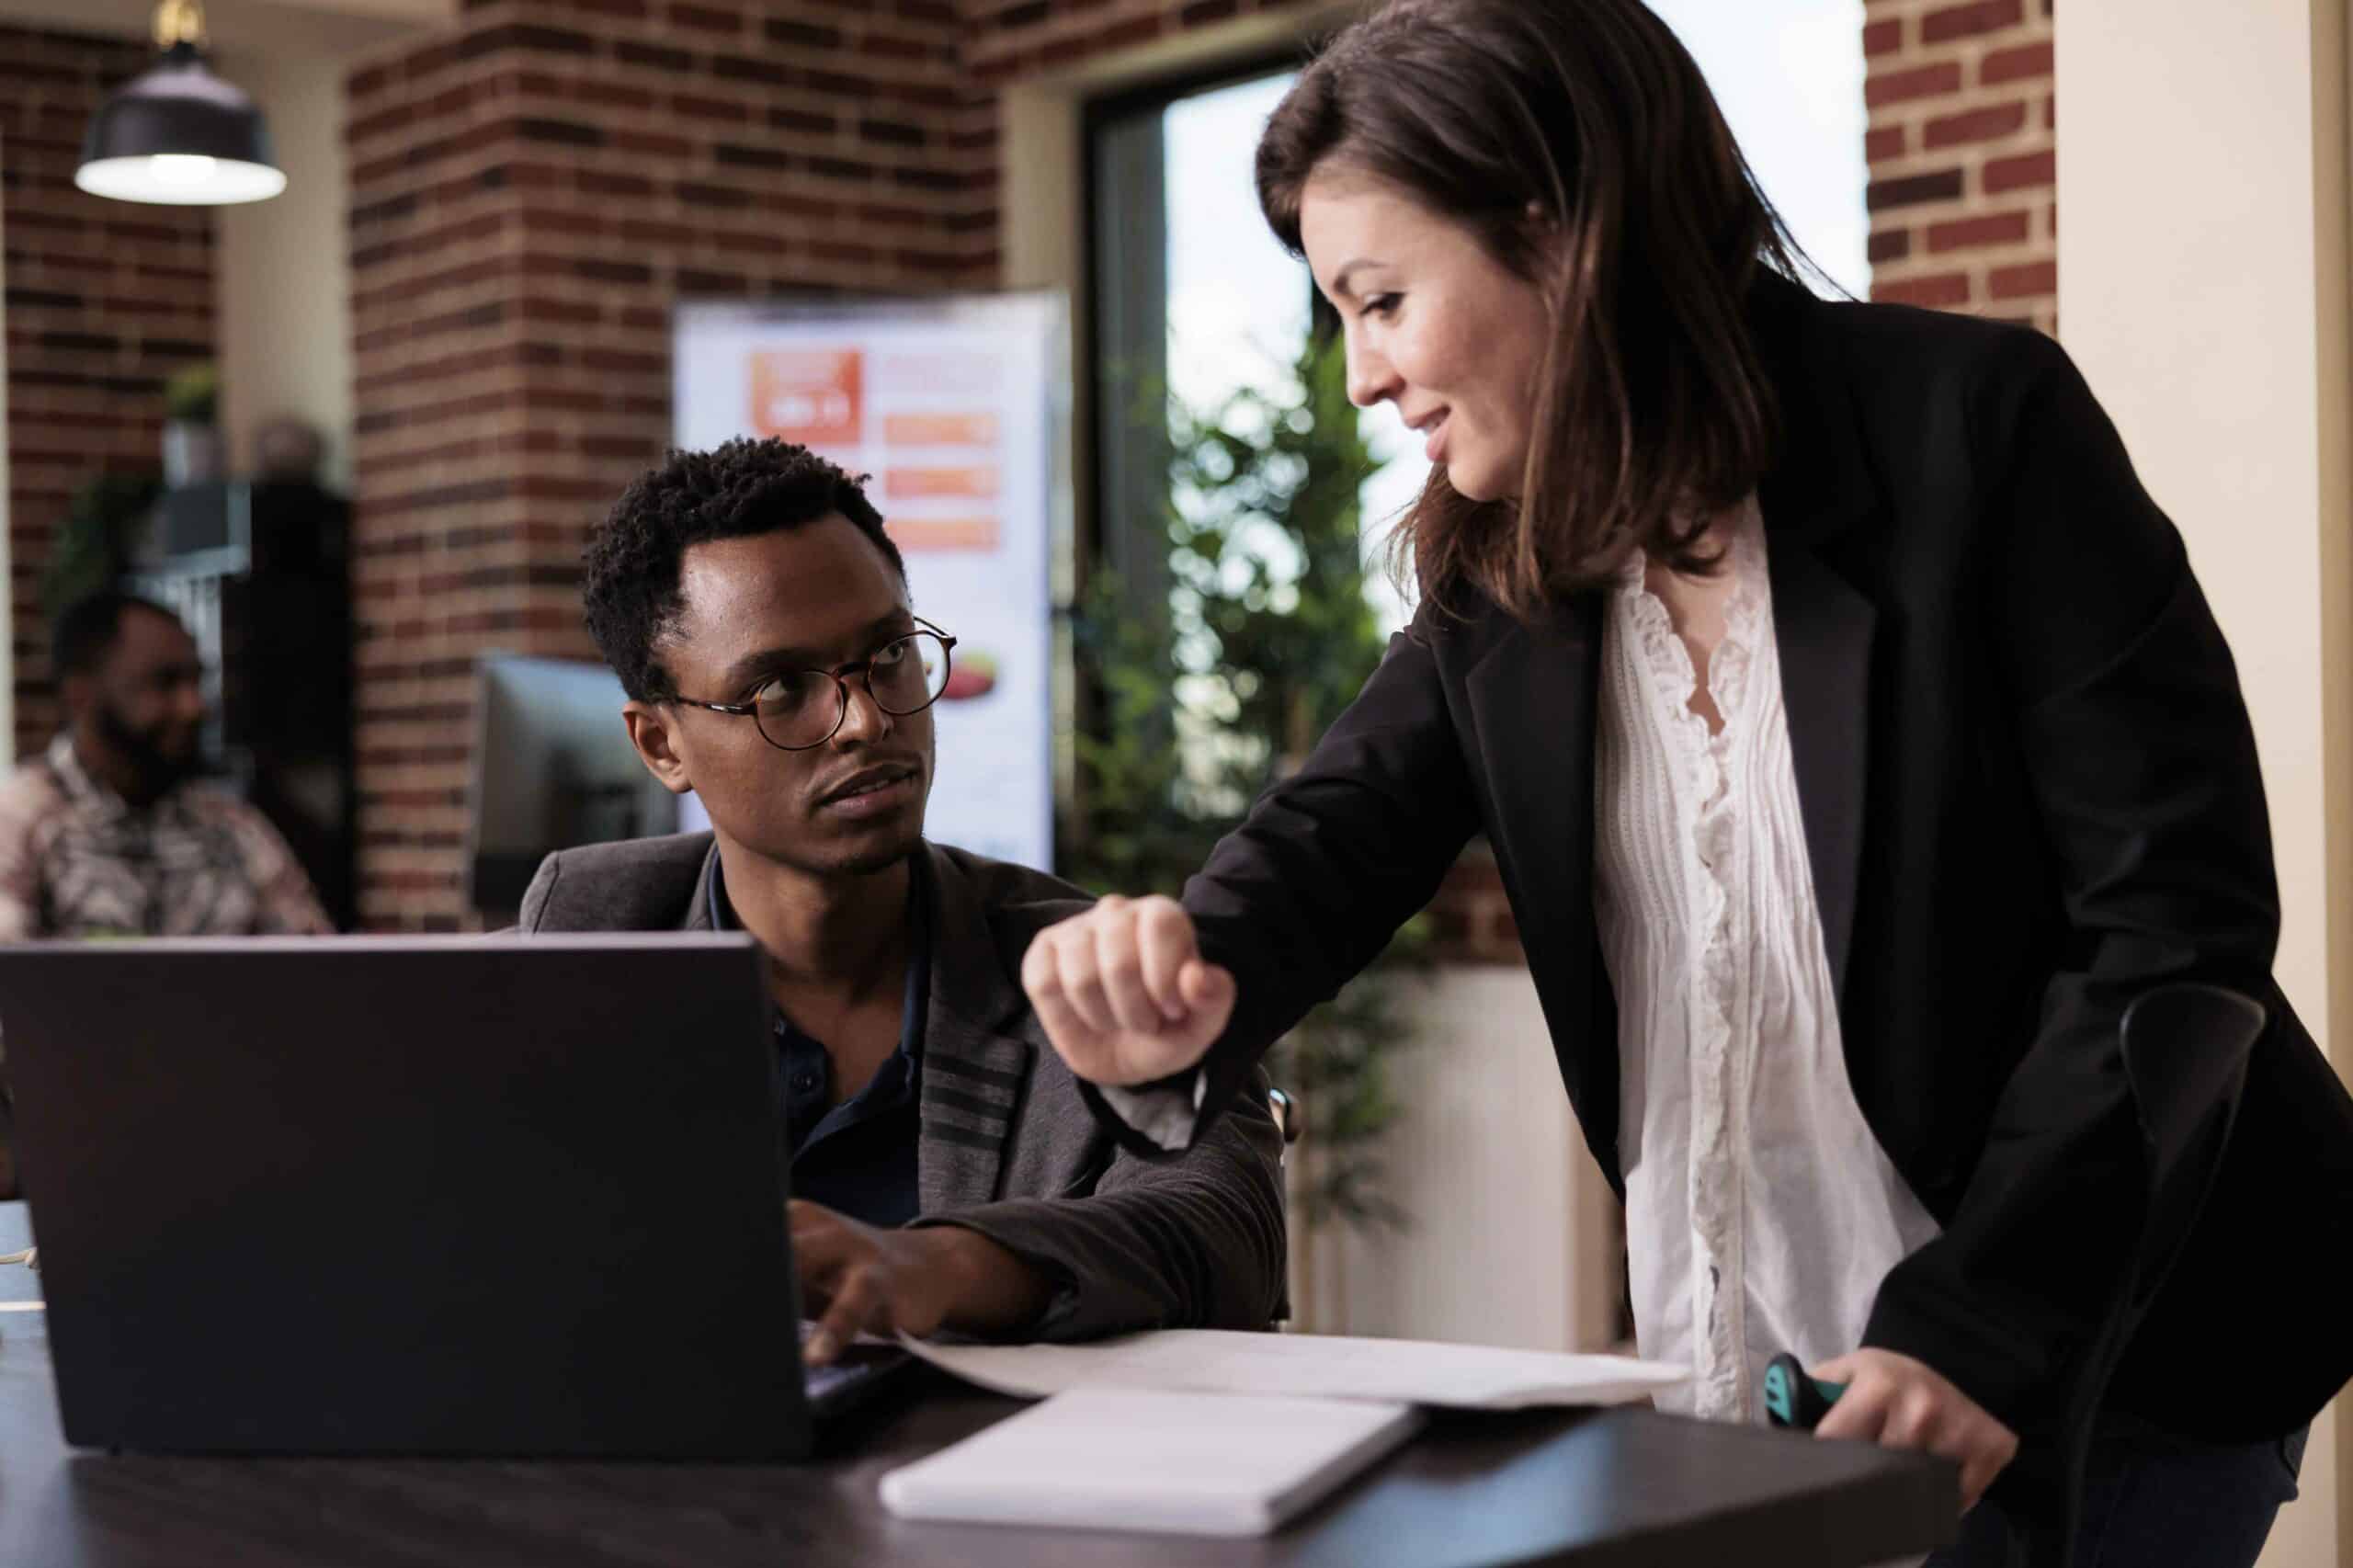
77 692
649 732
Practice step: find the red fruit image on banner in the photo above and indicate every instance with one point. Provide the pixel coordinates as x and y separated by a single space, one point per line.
970 675
814 396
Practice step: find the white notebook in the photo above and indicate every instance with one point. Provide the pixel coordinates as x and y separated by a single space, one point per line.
1139 1459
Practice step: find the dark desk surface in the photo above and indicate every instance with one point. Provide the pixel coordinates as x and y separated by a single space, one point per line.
1548 1487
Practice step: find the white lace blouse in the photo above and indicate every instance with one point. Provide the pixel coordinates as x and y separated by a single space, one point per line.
1761 1211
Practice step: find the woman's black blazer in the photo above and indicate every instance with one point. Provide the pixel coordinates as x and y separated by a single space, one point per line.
2030 793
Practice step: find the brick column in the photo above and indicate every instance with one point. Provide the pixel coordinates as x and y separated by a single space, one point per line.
105 300
1963 171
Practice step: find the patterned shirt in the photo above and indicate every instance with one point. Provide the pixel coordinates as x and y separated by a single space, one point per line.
78 861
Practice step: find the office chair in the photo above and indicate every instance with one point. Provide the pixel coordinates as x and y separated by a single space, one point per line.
2185 1050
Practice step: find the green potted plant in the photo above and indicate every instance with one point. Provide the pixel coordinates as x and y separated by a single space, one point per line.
192 446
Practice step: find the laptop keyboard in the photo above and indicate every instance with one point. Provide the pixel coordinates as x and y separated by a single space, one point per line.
863 1361
822 1381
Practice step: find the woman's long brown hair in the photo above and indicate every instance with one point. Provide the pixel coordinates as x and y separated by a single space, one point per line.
1579 142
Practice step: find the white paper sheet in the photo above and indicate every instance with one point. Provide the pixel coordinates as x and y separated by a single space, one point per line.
1411 1372
1132 1460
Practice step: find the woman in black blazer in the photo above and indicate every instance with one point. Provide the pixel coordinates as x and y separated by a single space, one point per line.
2025 787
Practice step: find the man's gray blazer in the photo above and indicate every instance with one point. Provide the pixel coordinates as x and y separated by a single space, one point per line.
1007 1147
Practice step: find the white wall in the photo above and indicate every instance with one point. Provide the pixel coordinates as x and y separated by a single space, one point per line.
1513 1235
2202 287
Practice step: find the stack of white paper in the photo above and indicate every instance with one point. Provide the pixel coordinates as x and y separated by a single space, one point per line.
1136 1460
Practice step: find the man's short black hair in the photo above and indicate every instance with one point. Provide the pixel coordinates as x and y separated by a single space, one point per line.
739 489
86 631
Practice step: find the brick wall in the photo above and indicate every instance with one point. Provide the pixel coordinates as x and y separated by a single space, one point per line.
529 195
1962 138
103 300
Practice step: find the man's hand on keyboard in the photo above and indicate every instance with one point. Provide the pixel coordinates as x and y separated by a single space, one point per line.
856 1279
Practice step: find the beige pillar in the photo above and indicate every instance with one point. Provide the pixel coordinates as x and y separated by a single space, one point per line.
2203 288
284 267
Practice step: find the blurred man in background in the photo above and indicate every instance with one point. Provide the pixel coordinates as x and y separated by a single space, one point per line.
110 831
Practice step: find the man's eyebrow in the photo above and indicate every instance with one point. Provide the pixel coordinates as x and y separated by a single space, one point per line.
771 659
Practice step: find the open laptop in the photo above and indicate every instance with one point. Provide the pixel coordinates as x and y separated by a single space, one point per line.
437 1196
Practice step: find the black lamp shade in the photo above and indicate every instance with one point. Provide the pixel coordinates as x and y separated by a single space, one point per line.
180 135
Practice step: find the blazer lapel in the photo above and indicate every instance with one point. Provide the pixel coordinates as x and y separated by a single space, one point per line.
698 911
1532 696
1821 487
976 1063
1823 629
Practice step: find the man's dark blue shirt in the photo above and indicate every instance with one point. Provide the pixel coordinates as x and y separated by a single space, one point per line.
858 1157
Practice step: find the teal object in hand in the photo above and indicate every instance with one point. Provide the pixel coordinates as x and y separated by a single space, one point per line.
1794 1400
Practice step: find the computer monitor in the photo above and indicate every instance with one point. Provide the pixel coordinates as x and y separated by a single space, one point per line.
553 769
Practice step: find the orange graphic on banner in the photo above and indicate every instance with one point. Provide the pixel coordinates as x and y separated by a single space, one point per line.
978 483
919 534
810 395
940 429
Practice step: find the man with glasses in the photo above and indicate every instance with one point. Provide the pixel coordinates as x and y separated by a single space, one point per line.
945 1172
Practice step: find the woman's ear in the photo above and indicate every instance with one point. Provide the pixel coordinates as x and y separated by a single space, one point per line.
1544 242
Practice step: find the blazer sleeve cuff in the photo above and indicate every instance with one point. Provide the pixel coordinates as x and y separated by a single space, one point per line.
2011 1377
1152 1119
1088 1299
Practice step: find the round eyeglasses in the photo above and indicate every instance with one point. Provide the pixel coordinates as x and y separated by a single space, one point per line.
796 709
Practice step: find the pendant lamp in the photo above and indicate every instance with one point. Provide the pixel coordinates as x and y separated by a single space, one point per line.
178 134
